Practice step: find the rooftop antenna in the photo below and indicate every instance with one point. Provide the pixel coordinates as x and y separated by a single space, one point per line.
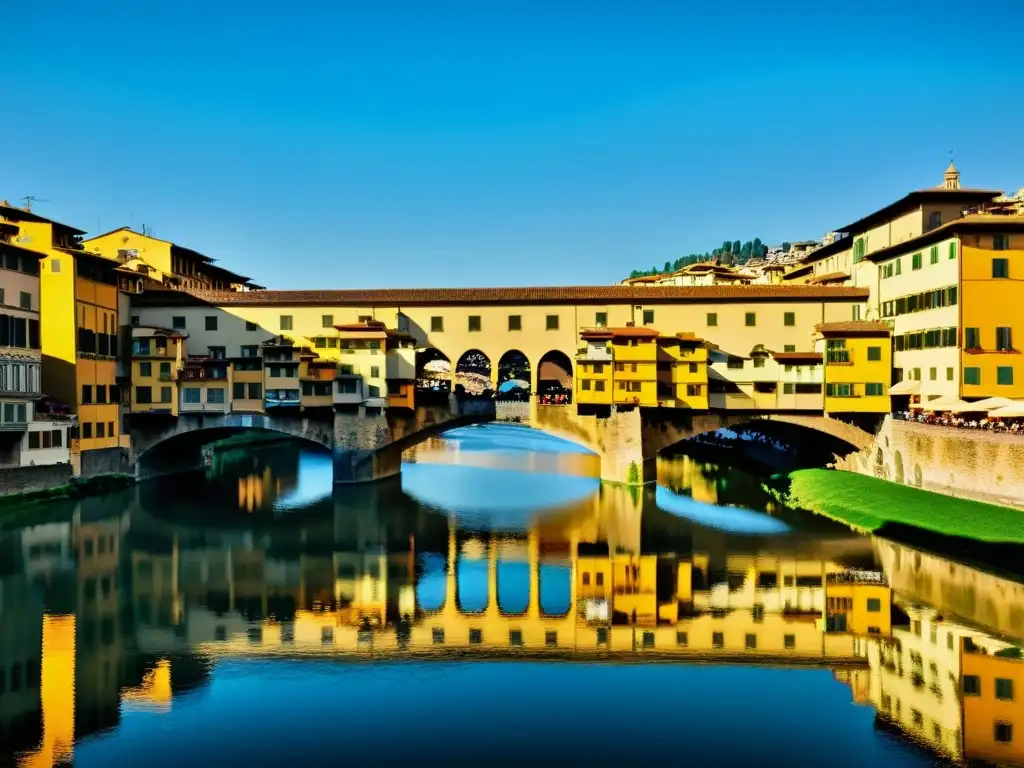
29 199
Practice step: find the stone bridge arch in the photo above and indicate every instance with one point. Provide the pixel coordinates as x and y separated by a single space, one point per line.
663 429
174 446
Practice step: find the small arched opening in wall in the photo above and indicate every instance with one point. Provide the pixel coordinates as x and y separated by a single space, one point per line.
879 463
554 378
473 375
433 376
513 377
897 463
918 476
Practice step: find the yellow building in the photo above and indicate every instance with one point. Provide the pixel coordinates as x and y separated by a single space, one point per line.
247 379
165 262
858 366
79 299
281 384
682 371
992 684
858 607
316 379
158 356
594 363
951 295
363 348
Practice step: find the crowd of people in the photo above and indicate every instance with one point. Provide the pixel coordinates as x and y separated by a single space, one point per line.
1012 426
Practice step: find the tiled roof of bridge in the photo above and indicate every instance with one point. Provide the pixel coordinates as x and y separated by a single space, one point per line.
863 327
544 295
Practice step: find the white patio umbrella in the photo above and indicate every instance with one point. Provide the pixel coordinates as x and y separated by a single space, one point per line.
1013 411
991 403
945 404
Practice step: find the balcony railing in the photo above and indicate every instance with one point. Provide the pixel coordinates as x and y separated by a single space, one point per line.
838 357
165 376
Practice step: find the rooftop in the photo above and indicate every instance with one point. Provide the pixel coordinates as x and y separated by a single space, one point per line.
543 295
20 214
975 223
629 332
853 327
915 199
789 356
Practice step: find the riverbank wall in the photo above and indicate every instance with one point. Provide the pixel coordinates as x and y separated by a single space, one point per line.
967 464
15 481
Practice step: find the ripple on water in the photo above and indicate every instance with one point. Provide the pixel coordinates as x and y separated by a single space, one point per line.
728 519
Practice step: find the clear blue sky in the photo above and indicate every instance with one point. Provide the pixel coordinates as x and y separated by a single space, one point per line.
409 143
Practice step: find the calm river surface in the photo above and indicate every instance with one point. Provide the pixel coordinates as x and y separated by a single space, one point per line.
495 605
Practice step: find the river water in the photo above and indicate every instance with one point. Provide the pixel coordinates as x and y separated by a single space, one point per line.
497 604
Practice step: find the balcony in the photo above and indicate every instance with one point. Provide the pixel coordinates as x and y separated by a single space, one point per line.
838 357
165 376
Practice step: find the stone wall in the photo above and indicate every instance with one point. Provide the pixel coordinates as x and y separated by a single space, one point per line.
38 478
105 461
968 464
617 438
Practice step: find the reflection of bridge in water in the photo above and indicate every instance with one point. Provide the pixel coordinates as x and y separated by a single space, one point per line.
152 606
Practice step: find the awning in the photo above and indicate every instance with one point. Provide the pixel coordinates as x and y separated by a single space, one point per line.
906 387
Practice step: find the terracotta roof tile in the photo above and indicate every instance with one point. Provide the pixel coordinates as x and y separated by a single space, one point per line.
828 278
862 327
544 295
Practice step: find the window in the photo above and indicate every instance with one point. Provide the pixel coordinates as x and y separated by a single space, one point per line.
874 390
551 322
327 321
476 636
734 362
515 322
87 430
1004 375
934 255
789 641
101 429
874 604
915 261
933 373
165 394
145 369
972 685
214 395
682 639
712 319
648 316
899 267
256 391
1004 339
515 637
586 388
250 326
25 300
374 371
238 391
178 322
86 394
789 318
648 639
436 324
751 319
144 395
1004 733
952 250
717 640
1004 689
474 323
1000 242
839 390
437 635
551 639
211 322
788 388
972 376
874 354
101 389
33 440
601 319
599 387
934 220
751 642
972 338
1000 267
600 579
286 322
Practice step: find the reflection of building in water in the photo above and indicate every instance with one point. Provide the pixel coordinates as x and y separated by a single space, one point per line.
99 644
993 689
262 477
21 629
57 695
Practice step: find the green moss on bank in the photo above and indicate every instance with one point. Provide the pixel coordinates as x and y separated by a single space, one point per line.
78 488
868 503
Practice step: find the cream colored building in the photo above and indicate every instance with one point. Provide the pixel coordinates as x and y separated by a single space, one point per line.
533 321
